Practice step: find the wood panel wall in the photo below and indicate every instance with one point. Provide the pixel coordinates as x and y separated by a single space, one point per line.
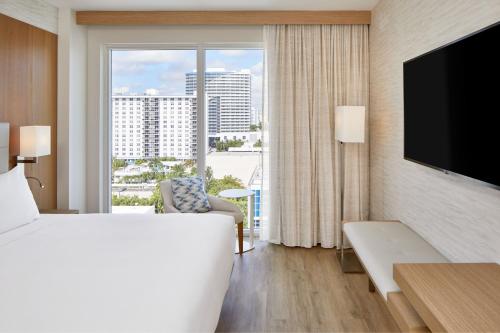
28 95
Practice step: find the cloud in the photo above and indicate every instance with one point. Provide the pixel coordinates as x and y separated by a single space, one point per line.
233 53
257 68
219 64
165 70
151 56
160 69
136 61
173 78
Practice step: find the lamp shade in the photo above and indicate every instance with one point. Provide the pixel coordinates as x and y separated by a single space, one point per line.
34 141
350 123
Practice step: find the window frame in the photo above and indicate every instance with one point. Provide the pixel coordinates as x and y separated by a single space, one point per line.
202 116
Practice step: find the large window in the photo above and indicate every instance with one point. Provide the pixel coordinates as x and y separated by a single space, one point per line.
154 125
233 89
161 129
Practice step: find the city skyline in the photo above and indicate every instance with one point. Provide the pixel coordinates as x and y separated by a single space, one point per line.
165 70
151 125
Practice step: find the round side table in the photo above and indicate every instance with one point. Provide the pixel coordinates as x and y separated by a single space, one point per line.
241 193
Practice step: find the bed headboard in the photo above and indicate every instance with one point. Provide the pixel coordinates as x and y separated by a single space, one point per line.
4 147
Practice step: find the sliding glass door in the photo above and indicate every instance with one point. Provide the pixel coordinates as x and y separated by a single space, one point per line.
153 124
233 90
161 129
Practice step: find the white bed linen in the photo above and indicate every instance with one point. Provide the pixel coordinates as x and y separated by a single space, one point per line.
115 273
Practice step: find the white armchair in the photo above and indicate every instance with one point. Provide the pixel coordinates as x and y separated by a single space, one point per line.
218 206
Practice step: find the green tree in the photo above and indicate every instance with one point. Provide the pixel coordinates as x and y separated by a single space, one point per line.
168 159
215 186
243 206
225 145
155 200
117 164
177 171
124 200
155 164
256 128
189 163
209 176
140 161
258 144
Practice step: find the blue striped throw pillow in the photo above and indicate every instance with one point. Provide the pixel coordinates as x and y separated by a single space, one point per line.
189 195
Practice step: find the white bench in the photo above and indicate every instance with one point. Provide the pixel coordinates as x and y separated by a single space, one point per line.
378 246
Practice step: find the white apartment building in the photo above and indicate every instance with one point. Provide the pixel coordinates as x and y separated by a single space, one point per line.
148 126
234 90
127 120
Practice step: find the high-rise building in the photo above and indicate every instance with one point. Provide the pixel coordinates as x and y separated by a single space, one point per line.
213 115
150 125
154 126
255 116
233 88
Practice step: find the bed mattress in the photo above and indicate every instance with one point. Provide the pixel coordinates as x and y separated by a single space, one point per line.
115 273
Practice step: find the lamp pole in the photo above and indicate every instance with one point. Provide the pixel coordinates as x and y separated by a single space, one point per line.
349 128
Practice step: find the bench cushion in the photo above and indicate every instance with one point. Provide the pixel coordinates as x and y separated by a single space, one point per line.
379 245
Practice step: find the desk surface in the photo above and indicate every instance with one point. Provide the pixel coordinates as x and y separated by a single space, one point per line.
453 297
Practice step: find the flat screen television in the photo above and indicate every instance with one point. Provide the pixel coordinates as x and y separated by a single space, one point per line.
452 107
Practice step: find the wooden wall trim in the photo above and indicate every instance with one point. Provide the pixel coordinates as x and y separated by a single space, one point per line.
221 17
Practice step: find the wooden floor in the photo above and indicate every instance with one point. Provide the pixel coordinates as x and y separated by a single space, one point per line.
279 289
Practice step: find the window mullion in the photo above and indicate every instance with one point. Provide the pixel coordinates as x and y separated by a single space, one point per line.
201 116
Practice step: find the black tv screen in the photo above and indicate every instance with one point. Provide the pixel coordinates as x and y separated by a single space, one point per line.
452 107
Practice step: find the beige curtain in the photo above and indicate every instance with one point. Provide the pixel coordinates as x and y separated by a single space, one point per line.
310 69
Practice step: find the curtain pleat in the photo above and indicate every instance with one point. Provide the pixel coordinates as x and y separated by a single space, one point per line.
310 70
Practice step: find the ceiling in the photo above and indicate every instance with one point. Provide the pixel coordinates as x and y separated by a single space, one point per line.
216 4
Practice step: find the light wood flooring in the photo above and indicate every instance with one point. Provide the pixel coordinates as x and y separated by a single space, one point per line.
280 289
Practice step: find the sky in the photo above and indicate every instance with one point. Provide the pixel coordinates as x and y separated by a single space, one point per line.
164 70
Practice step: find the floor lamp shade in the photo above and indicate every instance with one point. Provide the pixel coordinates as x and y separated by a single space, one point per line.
34 141
350 123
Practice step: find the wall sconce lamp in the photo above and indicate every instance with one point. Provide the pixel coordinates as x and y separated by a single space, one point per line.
34 142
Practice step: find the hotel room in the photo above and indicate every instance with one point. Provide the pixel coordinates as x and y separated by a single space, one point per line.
337 174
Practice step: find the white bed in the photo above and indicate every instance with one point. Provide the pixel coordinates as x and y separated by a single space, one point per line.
115 273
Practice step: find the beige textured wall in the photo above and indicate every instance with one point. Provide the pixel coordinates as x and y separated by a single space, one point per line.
38 13
459 216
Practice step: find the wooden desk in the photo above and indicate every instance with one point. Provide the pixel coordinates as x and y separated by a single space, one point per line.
453 297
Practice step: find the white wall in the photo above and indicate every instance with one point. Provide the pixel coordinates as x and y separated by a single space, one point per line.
72 105
97 121
459 216
35 12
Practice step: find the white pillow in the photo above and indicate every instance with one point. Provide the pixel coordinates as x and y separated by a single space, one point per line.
17 205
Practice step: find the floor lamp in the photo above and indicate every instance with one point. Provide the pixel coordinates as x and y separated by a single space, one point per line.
349 128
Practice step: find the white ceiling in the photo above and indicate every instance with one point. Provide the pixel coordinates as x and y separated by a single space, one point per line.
216 4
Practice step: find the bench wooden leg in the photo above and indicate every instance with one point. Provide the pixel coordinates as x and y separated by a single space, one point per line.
371 286
240 237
